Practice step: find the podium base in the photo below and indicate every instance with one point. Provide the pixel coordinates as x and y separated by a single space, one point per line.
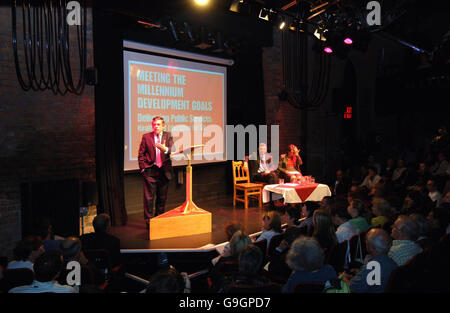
178 223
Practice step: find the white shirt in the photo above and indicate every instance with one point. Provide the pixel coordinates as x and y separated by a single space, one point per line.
160 141
262 164
345 231
368 182
435 195
267 234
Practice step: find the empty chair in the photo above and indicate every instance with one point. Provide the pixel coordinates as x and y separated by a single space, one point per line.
243 189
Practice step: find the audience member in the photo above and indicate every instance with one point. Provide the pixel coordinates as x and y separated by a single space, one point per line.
380 210
424 240
46 270
324 231
308 209
22 254
50 241
101 239
433 193
341 184
378 245
169 280
404 232
306 259
345 230
441 167
357 210
371 178
271 226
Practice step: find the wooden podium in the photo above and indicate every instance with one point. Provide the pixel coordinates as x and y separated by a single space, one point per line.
185 220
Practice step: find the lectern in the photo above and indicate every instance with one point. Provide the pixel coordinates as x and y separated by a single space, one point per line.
185 220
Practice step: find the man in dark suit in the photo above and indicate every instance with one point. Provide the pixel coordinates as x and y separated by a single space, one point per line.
100 239
263 168
156 167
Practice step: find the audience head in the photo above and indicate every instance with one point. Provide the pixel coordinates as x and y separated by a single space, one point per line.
326 202
339 175
167 280
70 248
431 185
356 208
339 214
322 220
405 228
48 266
372 170
231 228
378 241
238 242
293 214
308 208
380 207
45 229
22 251
422 223
101 223
250 260
305 255
272 221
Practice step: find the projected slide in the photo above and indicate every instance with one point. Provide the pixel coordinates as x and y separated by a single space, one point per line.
190 96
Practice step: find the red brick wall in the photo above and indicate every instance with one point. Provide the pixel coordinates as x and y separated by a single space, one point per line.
43 136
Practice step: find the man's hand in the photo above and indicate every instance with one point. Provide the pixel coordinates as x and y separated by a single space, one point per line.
161 147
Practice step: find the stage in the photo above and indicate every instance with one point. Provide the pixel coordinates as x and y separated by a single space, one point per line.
134 235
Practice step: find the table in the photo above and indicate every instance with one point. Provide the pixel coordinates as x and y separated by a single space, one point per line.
295 193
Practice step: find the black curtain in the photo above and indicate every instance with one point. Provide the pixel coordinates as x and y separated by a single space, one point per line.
109 116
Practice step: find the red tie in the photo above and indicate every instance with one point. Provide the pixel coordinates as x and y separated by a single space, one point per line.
158 153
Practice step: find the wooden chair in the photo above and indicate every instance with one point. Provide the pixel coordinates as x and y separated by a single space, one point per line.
241 182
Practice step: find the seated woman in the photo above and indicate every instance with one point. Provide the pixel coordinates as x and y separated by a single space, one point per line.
271 226
324 231
238 242
357 210
289 165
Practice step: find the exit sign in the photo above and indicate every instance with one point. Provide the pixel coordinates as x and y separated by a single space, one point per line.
348 113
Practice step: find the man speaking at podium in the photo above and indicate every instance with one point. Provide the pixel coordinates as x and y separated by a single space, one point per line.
156 167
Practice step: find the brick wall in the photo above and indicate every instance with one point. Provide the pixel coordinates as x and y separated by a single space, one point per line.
44 137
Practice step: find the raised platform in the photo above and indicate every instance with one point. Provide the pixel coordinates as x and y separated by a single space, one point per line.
135 236
174 224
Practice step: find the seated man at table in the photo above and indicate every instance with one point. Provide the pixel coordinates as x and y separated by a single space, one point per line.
290 164
261 166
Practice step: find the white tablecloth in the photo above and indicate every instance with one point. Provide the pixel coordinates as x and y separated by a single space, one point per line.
291 196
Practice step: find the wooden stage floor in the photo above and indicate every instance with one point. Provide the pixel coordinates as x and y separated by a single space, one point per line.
134 235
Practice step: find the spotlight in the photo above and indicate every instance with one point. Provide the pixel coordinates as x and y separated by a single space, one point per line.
328 49
281 23
320 33
201 2
236 5
264 14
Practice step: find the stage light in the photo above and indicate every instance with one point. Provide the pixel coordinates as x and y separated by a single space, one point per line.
264 14
281 23
320 34
348 41
328 50
234 7
201 2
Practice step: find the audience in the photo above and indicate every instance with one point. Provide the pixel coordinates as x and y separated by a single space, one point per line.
101 239
169 280
271 226
404 232
324 231
378 245
356 211
345 230
371 178
22 254
380 210
308 209
306 259
47 268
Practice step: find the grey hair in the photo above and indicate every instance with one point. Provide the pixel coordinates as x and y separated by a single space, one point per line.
379 240
409 227
305 255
